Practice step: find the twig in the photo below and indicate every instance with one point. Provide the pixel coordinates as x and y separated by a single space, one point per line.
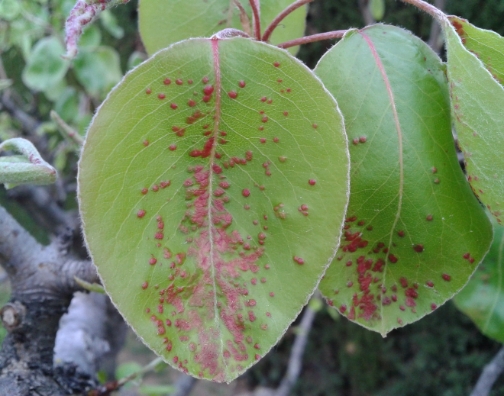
66 130
184 385
295 359
428 8
256 18
434 38
313 38
280 17
489 375
244 18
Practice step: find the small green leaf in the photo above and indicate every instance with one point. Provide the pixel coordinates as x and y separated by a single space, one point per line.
29 167
164 22
45 67
212 188
475 73
483 297
98 71
9 9
377 9
414 231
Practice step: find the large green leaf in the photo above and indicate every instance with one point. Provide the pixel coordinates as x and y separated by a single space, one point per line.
483 297
213 184
164 22
475 73
414 231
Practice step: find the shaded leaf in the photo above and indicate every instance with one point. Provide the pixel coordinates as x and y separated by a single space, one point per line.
483 297
29 167
414 231
212 187
45 68
475 72
165 22
98 71
377 9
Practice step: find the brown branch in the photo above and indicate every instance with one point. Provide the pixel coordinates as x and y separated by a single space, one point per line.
280 17
42 282
337 34
428 8
256 18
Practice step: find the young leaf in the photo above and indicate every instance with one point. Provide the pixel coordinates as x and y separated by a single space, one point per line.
414 231
212 185
475 73
29 167
165 22
483 298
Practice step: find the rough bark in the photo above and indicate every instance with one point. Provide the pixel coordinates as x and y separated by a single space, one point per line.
42 283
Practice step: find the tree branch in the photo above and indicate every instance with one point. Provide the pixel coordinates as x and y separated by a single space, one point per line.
295 360
42 282
490 373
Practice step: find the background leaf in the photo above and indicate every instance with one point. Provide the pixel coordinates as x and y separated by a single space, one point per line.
45 67
475 71
213 184
414 231
483 297
164 22
98 71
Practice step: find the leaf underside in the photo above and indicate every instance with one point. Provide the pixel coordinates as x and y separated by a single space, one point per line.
414 231
483 297
213 185
164 22
475 73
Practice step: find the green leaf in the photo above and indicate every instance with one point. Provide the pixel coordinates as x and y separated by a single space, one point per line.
155 390
212 186
45 67
98 71
109 22
414 231
9 9
483 297
164 22
29 167
377 9
475 72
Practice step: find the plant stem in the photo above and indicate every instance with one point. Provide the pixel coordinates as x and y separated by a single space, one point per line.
272 26
145 369
428 8
313 38
256 20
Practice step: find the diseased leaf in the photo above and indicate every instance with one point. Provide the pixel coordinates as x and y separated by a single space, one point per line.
483 297
164 22
28 167
475 73
414 231
212 185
